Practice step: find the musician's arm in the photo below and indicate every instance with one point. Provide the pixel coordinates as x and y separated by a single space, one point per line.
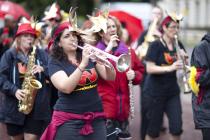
152 68
105 72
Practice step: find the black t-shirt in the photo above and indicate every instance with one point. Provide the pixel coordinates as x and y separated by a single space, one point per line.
161 84
85 97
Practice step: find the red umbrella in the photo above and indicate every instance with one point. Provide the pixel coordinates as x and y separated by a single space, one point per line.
14 9
133 24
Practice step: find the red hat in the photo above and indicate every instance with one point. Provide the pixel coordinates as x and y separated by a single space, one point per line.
25 28
58 30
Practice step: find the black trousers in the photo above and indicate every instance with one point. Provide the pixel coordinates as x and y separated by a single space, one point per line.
117 129
206 133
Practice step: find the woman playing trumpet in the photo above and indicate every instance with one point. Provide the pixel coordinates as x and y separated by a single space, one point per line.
78 112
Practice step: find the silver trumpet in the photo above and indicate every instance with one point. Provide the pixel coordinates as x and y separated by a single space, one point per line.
122 61
186 68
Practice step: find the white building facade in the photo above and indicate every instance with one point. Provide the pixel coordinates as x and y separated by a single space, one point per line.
196 14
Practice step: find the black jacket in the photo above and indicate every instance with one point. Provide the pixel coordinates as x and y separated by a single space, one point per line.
10 82
201 59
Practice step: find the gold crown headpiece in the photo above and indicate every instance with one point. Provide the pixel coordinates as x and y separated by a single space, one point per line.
52 12
73 18
175 16
100 21
73 21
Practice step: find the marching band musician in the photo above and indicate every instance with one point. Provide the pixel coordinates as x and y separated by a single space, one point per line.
149 35
13 66
115 94
161 87
78 113
52 17
157 16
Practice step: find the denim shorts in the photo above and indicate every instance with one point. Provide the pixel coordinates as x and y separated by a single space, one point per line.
171 105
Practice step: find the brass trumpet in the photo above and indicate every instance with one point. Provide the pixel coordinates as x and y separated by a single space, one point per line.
122 61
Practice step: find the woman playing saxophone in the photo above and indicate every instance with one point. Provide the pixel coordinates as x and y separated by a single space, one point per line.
13 67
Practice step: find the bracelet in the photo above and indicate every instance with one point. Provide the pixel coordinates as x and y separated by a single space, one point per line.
80 69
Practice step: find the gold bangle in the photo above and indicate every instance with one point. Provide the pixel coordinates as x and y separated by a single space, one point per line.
80 69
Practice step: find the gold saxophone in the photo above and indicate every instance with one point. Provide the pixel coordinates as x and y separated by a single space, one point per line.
30 86
141 51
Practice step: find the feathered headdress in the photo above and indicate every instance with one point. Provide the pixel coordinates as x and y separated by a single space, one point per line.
99 22
52 12
175 16
73 21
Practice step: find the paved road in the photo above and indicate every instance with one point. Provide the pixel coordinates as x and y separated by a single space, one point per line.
188 125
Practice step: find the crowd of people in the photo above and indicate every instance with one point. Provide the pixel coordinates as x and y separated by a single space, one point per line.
62 82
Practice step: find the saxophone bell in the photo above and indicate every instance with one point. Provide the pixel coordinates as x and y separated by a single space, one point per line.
35 84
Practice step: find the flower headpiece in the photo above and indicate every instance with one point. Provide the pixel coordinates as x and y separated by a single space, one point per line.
53 12
99 22
173 16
